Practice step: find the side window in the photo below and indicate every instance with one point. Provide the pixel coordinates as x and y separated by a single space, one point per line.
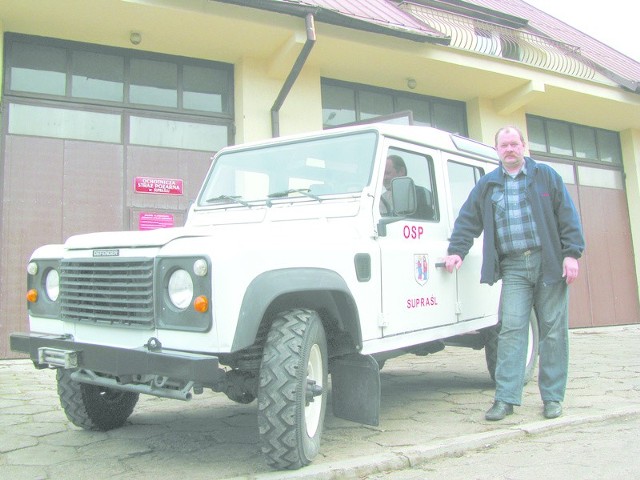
420 168
462 178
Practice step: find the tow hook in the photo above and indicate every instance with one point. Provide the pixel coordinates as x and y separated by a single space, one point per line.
153 345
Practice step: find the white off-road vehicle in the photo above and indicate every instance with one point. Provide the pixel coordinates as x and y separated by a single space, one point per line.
285 272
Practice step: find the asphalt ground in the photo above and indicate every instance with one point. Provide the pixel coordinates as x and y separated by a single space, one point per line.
431 407
602 450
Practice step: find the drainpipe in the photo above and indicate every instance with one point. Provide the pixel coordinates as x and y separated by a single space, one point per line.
293 75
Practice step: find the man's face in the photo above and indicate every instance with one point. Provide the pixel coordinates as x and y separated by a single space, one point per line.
510 150
390 173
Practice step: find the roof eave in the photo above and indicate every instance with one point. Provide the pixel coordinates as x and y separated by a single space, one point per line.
631 85
624 82
336 18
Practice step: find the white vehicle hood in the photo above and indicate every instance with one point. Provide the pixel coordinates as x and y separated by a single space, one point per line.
133 239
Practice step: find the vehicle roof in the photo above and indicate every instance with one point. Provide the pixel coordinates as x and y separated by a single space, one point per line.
417 134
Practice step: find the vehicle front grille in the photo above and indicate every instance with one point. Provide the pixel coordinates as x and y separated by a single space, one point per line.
114 292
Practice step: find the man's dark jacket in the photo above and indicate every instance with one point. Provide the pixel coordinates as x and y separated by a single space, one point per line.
556 218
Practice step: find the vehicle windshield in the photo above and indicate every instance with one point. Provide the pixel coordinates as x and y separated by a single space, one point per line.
307 169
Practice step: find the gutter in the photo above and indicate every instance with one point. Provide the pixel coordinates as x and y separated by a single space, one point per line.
334 17
311 14
293 75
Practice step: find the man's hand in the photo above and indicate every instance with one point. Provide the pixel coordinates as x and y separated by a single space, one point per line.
451 262
570 269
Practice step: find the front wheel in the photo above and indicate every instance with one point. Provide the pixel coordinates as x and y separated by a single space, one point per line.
93 407
491 348
292 395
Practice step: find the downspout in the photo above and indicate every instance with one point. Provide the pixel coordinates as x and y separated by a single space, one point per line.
293 75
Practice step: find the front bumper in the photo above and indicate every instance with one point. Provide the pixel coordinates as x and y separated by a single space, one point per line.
60 351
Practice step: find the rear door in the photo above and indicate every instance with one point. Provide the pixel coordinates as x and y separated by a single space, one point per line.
474 300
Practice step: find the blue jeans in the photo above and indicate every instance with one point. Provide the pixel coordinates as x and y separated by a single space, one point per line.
522 289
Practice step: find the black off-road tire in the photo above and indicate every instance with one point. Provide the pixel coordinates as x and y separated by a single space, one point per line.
93 407
292 395
490 335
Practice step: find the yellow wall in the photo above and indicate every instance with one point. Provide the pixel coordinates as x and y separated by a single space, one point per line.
1 56
256 94
484 121
263 47
630 140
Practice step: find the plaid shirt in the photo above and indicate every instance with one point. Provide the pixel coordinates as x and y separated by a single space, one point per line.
515 227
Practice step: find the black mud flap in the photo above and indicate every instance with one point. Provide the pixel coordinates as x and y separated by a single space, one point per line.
355 388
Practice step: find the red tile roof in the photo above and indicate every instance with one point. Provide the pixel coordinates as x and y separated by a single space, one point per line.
382 13
556 29
386 15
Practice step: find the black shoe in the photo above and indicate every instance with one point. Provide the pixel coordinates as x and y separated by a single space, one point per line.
552 409
498 411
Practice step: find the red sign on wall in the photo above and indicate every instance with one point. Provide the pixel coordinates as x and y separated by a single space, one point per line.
162 186
151 221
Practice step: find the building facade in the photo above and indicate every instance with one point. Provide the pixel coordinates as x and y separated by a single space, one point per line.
112 110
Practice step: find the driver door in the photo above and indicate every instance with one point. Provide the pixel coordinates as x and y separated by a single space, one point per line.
417 296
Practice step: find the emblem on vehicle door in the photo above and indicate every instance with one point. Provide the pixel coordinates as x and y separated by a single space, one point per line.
421 268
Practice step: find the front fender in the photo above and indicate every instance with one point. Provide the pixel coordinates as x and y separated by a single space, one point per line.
265 290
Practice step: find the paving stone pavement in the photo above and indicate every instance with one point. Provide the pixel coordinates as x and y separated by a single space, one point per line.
431 406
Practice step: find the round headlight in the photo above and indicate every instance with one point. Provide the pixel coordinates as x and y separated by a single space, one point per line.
52 284
180 289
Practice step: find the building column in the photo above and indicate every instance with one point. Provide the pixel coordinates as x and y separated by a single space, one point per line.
630 142
1 56
484 120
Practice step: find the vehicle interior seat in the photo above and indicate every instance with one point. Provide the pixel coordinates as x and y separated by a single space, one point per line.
424 204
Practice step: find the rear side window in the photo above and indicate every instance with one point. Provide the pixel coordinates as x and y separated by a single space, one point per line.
462 178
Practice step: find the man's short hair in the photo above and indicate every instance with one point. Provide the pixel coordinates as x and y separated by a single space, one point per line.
398 163
506 128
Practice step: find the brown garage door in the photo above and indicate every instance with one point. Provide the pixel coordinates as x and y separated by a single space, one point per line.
606 292
55 188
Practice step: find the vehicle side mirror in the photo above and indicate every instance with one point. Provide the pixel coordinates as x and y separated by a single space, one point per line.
403 193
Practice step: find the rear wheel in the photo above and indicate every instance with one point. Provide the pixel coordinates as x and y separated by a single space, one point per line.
491 348
93 407
292 394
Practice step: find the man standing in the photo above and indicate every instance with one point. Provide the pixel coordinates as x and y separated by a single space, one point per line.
532 241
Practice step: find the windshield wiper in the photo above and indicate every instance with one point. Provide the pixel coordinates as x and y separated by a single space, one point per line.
286 193
229 198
